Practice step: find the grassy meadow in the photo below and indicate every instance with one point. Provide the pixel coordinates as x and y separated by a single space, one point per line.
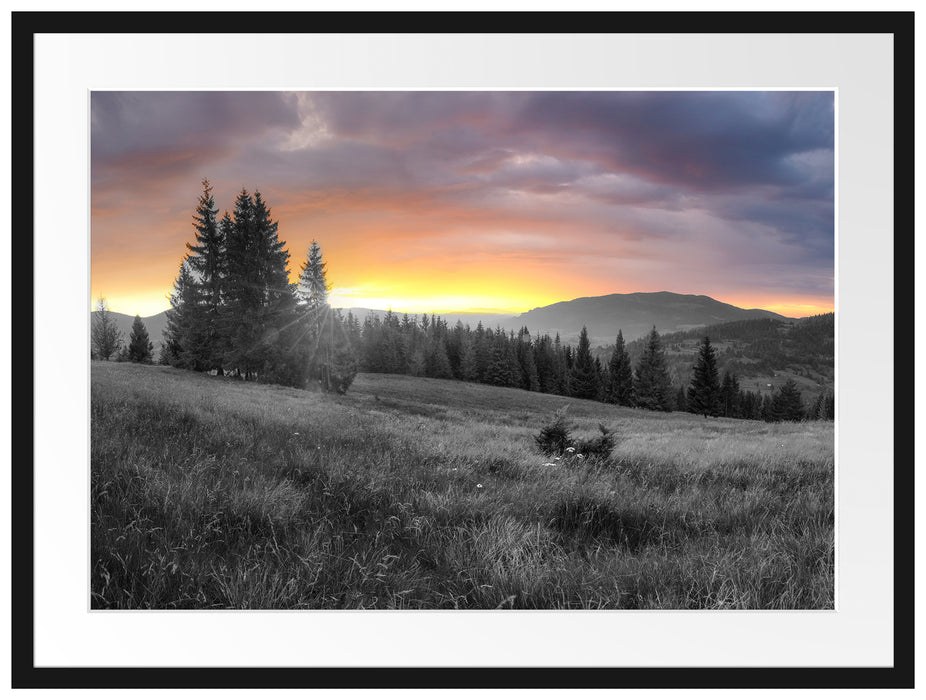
423 493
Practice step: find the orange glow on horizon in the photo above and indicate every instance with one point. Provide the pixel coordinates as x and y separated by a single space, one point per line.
511 299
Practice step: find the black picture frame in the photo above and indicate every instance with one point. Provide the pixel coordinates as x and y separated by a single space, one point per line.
25 674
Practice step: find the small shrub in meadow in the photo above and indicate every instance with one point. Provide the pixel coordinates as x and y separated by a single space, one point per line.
554 438
598 447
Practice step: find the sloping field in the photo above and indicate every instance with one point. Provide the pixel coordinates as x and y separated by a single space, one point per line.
424 493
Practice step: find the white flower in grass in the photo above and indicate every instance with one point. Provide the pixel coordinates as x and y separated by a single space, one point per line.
579 457
478 486
570 449
550 464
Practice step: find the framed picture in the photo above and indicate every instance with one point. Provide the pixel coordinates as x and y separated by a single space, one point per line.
545 352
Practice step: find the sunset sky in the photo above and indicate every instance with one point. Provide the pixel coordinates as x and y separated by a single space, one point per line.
501 201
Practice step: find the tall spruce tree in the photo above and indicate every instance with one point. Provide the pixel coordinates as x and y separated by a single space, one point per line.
259 303
207 260
243 291
140 346
330 358
583 379
652 387
105 337
704 392
620 375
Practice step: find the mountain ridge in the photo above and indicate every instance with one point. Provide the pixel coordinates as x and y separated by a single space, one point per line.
633 313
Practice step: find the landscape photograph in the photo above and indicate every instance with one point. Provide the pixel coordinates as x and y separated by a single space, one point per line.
462 350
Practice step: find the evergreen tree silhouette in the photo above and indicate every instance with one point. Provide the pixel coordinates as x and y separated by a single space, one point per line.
730 396
652 389
105 337
704 392
207 260
140 346
620 375
583 379
787 404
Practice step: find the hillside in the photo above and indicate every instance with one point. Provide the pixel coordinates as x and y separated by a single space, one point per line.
634 314
762 352
415 493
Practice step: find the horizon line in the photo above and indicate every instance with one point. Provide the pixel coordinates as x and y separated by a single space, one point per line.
513 311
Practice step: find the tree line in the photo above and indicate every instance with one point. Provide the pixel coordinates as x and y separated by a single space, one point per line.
234 312
429 347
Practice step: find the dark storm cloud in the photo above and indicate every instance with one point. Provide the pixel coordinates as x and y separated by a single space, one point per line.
697 140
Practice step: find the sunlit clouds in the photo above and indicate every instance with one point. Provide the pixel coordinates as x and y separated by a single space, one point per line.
454 201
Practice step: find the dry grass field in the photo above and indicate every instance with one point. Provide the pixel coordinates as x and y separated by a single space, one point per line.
423 493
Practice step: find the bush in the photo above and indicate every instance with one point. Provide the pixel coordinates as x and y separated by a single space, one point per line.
555 440
598 447
554 437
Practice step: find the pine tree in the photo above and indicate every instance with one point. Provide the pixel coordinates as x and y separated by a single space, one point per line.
341 359
184 334
243 291
828 410
207 261
499 372
438 364
583 379
259 314
330 357
652 388
313 278
140 347
530 378
560 367
454 344
787 404
766 411
105 337
545 362
619 389
468 369
482 342
704 392
730 396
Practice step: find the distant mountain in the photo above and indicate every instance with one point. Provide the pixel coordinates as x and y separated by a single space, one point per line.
153 324
634 314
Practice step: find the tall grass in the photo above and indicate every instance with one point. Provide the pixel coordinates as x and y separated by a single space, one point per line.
421 493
